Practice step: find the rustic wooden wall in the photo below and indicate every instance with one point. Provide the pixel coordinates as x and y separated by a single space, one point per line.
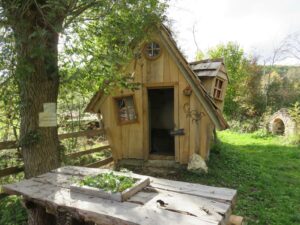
131 140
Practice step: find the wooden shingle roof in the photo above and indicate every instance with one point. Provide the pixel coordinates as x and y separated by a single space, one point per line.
208 67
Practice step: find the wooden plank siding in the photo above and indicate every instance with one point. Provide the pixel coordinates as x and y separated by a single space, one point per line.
184 121
131 141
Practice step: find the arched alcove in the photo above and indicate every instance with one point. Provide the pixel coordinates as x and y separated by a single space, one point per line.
278 127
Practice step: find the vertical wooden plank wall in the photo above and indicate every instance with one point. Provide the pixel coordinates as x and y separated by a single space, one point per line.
132 140
184 120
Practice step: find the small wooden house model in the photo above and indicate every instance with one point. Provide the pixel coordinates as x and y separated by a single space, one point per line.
174 111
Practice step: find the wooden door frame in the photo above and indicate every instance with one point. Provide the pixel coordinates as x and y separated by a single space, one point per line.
146 125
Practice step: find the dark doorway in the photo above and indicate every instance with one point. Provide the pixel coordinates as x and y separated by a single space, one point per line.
161 121
278 127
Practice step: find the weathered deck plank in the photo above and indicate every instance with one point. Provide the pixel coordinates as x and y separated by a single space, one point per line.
206 206
178 205
215 193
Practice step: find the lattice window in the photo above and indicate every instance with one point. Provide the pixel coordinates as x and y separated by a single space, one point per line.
218 89
126 110
152 50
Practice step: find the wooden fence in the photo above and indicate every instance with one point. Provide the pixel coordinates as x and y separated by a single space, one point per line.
88 133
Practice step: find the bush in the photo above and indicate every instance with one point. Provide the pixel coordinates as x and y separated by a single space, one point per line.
293 139
246 125
294 111
12 212
262 133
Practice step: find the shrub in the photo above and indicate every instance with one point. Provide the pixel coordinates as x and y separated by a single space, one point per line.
12 212
295 113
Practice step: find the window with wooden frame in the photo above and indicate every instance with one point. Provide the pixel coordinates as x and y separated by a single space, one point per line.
218 89
126 109
152 50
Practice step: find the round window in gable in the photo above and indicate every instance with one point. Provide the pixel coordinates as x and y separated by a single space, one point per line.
152 50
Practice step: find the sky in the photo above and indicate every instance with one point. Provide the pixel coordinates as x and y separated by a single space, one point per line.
258 26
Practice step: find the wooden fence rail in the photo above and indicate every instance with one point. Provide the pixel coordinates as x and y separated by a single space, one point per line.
87 133
8 145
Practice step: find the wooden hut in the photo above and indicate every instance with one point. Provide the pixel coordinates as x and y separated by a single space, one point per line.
174 111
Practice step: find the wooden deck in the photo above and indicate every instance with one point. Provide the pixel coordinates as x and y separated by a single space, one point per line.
162 202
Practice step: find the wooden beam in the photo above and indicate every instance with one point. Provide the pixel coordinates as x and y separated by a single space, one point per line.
3 195
81 153
100 163
13 144
90 133
11 171
8 145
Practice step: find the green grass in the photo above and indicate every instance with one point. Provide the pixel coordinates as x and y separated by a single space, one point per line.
264 170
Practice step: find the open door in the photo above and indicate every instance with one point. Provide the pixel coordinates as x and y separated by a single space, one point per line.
161 121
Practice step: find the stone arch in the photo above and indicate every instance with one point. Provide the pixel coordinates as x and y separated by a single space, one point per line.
281 123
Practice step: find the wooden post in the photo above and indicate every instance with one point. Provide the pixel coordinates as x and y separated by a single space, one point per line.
37 215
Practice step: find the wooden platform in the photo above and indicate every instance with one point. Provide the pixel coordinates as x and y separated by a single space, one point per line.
163 202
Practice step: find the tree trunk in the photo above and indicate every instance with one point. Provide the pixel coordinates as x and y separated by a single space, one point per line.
37 215
39 144
36 37
37 71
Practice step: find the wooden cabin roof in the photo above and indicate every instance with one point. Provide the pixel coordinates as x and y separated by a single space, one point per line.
202 95
208 67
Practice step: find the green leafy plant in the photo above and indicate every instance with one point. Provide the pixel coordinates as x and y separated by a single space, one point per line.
295 113
12 212
109 182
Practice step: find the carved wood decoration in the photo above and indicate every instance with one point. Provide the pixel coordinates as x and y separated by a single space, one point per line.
194 114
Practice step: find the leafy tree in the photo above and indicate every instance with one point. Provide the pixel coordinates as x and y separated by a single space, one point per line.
294 111
34 28
235 62
250 96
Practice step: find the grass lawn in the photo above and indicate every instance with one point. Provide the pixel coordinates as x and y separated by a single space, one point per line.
264 170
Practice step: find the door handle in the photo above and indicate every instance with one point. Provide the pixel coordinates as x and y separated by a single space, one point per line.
177 132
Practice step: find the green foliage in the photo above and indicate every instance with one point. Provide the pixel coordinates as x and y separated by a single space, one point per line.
109 182
100 50
235 63
12 211
31 138
246 125
199 55
295 113
254 91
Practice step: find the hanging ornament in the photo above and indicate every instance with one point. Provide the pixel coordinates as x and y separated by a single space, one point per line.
187 91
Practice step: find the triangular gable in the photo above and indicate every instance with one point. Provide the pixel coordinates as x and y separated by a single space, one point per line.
204 98
212 110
